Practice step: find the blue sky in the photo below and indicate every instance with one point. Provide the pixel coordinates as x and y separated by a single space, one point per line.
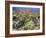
34 10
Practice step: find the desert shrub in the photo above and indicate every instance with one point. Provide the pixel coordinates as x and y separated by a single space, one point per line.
29 25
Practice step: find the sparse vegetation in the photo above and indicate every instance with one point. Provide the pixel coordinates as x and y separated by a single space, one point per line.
25 21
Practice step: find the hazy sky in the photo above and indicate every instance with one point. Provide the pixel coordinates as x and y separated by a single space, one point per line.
34 10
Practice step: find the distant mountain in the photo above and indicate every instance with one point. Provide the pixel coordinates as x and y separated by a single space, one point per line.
29 12
34 10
